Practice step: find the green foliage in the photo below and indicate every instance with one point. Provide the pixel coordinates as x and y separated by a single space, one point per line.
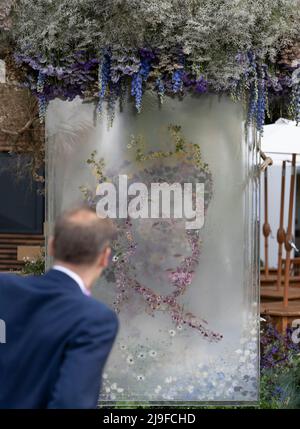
280 386
34 267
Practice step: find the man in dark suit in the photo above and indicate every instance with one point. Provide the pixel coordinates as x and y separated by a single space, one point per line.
57 336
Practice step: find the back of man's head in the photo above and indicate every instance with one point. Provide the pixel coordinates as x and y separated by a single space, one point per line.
80 236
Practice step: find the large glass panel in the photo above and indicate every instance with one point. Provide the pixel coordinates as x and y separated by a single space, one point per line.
187 298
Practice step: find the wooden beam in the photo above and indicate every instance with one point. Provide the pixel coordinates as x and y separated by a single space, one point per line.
289 237
281 231
266 226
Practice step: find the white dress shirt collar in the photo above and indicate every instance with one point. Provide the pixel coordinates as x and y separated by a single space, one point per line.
74 276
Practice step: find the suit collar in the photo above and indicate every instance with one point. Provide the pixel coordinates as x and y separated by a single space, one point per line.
73 276
61 277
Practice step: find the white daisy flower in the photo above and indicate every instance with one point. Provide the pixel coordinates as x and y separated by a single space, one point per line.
172 332
130 360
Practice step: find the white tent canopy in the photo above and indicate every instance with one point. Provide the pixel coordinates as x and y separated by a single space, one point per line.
282 137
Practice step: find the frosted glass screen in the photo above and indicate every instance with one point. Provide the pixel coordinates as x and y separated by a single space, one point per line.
186 298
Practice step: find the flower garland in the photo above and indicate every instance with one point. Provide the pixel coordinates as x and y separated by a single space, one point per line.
146 69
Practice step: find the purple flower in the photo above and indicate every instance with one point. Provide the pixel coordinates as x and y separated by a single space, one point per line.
177 80
201 85
137 90
104 78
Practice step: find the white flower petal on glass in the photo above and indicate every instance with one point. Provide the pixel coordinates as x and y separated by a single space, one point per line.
130 360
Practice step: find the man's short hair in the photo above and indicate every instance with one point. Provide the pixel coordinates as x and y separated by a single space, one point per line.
80 236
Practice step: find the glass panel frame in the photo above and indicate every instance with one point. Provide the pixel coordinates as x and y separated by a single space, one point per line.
68 125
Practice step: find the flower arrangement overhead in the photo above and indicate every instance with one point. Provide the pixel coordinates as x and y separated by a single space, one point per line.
249 49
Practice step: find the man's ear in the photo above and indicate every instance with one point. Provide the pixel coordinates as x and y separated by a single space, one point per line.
105 257
51 246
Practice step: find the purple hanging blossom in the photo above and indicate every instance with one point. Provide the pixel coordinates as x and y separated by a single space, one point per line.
103 78
145 68
137 90
115 90
140 77
201 85
177 81
160 86
147 53
42 102
253 89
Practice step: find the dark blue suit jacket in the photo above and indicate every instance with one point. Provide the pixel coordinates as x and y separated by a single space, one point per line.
57 342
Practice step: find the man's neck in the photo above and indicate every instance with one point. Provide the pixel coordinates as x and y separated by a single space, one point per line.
82 272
